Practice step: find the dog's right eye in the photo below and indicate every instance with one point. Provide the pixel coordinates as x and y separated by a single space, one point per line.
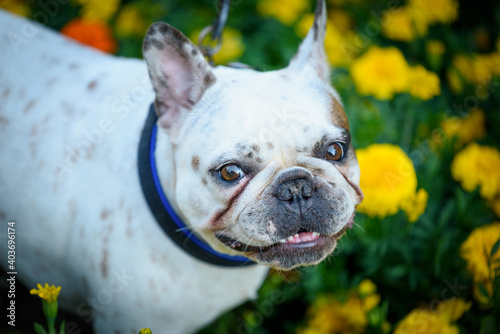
231 172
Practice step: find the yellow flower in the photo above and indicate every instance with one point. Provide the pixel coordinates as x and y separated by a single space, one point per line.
435 50
434 11
16 6
329 315
398 25
98 10
48 293
389 182
435 47
415 206
232 46
423 84
467 129
476 249
286 11
495 205
145 331
434 322
381 72
130 22
478 166
477 68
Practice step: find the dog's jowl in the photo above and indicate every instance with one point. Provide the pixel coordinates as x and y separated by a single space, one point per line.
187 179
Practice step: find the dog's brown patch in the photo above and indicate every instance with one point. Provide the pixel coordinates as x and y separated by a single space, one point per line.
195 162
29 106
91 86
104 263
6 93
256 147
339 118
3 121
104 213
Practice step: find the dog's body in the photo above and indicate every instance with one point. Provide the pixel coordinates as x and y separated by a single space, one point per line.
81 220
70 123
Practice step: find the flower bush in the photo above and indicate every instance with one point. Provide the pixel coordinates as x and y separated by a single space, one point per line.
420 83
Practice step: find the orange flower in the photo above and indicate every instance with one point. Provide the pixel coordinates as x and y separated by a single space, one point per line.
95 34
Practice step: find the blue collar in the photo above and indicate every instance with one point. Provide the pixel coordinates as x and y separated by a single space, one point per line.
165 216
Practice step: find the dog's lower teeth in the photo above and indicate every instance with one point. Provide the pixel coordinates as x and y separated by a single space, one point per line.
283 241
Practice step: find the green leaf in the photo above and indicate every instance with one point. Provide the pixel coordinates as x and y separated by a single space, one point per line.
495 248
39 328
63 325
482 290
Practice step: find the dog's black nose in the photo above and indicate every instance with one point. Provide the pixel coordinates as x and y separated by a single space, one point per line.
295 190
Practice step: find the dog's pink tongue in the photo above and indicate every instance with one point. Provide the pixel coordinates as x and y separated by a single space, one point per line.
302 237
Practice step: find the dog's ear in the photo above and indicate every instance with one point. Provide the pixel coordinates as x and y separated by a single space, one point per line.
312 49
178 71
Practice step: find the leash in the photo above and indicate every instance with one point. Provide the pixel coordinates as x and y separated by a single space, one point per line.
165 216
216 30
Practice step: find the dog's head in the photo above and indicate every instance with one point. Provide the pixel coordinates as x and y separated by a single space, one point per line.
264 165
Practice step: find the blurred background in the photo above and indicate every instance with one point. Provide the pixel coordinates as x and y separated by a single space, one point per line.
420 83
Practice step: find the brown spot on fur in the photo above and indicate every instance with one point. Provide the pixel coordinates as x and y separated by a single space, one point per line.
306 129
208 79
204 181
256 147
339 117
89 152
270 145
194 52
104 263
3 122
259 160
91 85
29 106
6 93
156 43
195 163
104 214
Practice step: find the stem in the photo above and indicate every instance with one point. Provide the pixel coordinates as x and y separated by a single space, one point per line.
408 128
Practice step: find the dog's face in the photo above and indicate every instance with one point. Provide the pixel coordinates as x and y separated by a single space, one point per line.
264 162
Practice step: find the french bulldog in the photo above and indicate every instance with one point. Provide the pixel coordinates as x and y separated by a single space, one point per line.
257 165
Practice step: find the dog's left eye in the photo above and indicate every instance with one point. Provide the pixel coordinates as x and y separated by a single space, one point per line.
335 152
231 172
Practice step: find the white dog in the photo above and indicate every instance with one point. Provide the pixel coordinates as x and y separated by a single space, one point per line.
257 168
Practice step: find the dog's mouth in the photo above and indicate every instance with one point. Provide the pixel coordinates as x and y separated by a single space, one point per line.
303 239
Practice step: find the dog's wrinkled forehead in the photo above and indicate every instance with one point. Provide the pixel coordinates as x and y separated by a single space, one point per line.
267 109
